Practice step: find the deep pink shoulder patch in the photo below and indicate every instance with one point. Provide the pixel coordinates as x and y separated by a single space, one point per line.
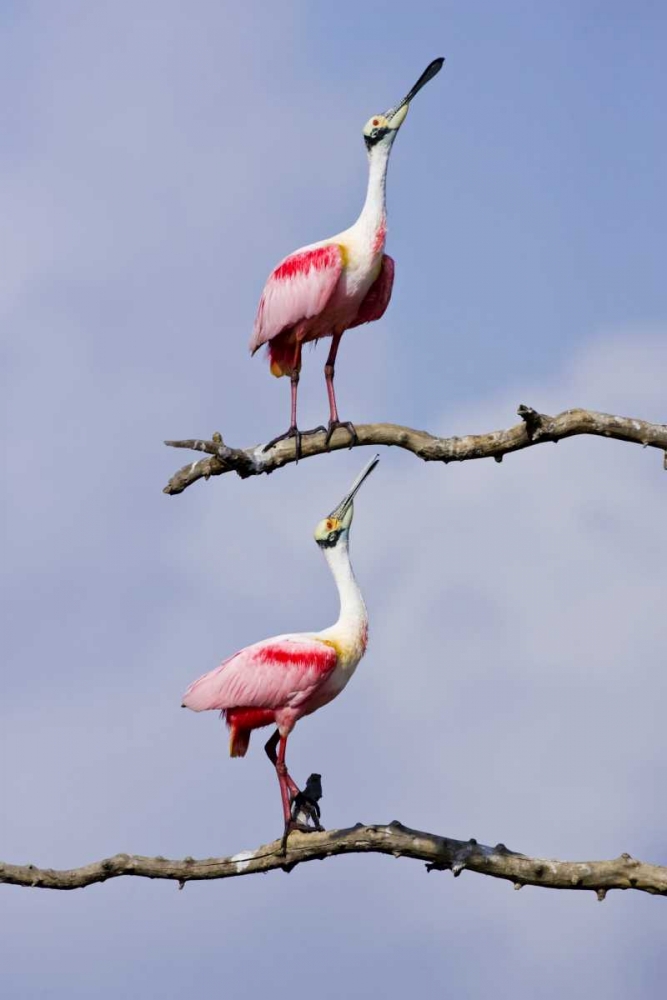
302 263
317 656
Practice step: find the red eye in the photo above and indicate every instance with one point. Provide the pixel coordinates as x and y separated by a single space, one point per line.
375 121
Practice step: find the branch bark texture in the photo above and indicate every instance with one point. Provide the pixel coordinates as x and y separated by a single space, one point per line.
535 428
439 853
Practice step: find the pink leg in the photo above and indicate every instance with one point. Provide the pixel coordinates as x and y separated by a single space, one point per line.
334 421
271 747
286 784
306 801
293 430
329 377
281 768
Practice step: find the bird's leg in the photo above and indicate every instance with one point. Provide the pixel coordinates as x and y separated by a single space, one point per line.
281 770
285 782
271 747
292 431
334 421
295 803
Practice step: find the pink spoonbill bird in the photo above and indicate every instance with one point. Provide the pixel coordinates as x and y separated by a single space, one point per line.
279 680
326 288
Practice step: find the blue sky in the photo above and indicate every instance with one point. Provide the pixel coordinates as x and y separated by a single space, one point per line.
157 160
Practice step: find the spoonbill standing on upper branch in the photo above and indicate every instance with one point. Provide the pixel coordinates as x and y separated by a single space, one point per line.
279 680
328 287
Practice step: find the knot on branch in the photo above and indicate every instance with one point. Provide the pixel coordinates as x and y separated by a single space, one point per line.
235 459
538 425
458 859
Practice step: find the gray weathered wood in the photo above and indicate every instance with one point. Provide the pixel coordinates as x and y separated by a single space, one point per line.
439 853
535 428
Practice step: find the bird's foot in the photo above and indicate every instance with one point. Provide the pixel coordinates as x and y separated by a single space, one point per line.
320 429
304 809
334 425
291 432
295 824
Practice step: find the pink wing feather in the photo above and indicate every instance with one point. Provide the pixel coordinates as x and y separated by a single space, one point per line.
275 673
378 295
297 289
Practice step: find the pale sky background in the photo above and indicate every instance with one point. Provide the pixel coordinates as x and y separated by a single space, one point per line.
156 160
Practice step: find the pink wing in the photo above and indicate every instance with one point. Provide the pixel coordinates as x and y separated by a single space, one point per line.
297 289
276 673
378 295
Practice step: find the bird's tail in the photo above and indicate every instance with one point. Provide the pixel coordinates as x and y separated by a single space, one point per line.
281 356
239 741
241 722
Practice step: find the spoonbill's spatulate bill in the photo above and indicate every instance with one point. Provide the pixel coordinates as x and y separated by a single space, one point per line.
279 680
326 288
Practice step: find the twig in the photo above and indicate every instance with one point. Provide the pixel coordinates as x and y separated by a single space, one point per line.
439 853
535 428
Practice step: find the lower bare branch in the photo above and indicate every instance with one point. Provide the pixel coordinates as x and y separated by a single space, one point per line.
439 853
535 428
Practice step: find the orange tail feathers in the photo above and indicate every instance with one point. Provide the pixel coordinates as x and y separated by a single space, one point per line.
282 353
239 741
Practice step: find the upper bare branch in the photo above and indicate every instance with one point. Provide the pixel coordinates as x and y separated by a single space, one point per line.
439 853
535 428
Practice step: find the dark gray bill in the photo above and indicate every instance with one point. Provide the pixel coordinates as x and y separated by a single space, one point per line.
340 511
431 70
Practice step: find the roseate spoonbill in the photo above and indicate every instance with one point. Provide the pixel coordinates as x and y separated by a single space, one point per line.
279 680
328 287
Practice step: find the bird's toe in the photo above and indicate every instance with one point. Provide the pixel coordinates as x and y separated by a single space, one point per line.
347 425
291 432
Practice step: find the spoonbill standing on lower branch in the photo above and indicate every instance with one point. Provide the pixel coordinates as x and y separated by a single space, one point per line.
279 680
326 288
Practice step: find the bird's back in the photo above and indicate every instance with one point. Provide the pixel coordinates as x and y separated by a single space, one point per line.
276 673
296 290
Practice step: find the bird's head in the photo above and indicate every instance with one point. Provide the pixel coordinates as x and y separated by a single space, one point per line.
381 130
336 527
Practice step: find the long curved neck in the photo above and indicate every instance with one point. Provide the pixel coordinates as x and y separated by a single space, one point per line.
353 616
374 212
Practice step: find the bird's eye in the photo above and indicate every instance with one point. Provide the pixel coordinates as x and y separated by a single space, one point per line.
333 535
374 133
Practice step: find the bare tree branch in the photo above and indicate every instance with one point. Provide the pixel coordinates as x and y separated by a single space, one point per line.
439 853
535 428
